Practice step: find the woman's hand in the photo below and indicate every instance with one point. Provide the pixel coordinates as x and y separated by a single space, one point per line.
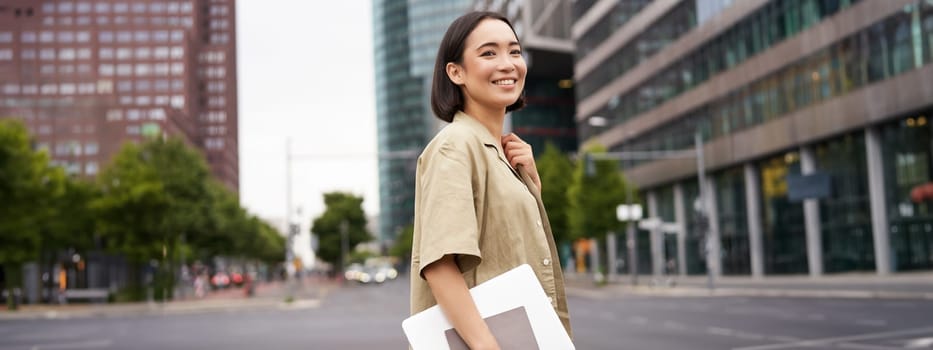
518 152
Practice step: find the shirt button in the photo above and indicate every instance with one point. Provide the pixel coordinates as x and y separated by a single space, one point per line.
546 262
550 300
539 223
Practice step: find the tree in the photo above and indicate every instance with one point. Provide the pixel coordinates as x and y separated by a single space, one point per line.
401 248
555 170
152 195
26 183
593 199
340 209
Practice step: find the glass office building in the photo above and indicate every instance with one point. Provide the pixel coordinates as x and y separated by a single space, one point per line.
813 116
406 35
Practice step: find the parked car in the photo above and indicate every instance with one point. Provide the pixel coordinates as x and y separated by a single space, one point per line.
220 280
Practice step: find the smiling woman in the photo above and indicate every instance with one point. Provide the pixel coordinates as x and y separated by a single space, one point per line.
478 209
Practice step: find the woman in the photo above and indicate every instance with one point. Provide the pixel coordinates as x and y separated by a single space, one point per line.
478 210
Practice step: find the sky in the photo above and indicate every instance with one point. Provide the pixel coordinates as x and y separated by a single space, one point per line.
305 72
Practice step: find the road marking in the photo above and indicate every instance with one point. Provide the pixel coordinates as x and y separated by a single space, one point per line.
720 331
920 343
826 341
864 347
873 323
94 344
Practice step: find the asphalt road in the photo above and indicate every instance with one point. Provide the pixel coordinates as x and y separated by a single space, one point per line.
368 317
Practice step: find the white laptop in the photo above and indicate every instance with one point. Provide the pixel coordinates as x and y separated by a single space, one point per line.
515 308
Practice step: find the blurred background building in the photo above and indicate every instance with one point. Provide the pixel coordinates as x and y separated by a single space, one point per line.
88 76
406 35
813 118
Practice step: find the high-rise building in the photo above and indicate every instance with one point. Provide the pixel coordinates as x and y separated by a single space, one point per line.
543 28
87 76
814 119
406 35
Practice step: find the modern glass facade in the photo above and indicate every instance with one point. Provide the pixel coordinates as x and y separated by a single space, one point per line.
907 153
845 218
620 14
783 234
834 105
547 116
406 35
733 228
891 47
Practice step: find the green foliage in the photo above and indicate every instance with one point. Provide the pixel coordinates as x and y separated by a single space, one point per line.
340 209
401 248
593 199
28 185
555 170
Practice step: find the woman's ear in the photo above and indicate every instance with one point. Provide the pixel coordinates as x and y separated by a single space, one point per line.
455 73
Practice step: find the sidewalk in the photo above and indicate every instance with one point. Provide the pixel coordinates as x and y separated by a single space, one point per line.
908 285
267 295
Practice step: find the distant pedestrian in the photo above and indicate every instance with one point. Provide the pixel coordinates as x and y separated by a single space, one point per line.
478 209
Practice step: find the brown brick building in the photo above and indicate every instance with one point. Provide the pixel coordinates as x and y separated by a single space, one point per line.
87 76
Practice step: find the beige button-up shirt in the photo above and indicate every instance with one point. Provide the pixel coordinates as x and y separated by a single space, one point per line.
470 203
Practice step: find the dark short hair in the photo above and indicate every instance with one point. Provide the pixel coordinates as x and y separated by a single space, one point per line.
446 97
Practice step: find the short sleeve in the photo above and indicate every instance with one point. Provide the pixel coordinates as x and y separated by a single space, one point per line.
446 219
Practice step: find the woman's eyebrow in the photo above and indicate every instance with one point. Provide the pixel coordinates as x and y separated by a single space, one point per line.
494 44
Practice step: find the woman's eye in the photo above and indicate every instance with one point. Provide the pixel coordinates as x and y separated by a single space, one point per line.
488 53
516 52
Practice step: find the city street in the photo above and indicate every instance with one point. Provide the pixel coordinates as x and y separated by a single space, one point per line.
368 317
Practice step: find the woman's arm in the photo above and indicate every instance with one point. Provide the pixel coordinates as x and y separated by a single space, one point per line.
453 296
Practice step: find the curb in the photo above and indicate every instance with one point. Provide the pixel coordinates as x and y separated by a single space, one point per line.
606 292
178 308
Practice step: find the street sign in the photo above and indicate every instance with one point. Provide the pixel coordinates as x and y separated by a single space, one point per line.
813 186
626 212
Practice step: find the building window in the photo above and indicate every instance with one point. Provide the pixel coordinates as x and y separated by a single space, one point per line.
105 53
124 69
104 37
65 7
214 143
83 21
6 54
104 86
143 69
46 37
133 114
120 7
178 85
143 53
161 85
178 52
102 7
86 88
160 69
157 114
177 36
124 53
124 37
10 89
141 36
139 8
161 100
124 86
66 37
132 129
143 100
84 68
143 85
82 37
83 54
28 54
66 54
178 101
178 68
83 7
160 36
47 69
66 69
28 37
6 37
48 89
105 69
160 53
90 168
103 20
114 115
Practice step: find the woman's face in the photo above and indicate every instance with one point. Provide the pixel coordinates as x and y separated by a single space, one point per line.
492 73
